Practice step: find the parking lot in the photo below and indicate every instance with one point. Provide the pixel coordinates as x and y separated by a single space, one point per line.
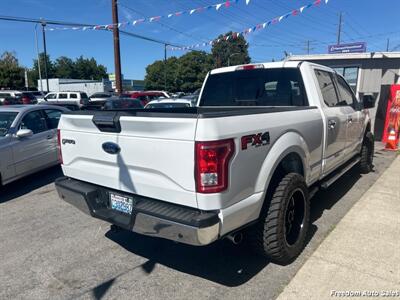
51 250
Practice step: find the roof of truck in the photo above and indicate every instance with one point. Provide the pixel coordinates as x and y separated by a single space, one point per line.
267 65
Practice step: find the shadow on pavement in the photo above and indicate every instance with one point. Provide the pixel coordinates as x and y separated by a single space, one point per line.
27 184
221 262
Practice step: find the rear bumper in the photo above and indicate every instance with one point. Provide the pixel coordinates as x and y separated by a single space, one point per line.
149 216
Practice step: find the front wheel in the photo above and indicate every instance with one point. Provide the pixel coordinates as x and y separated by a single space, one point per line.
281 232
367 153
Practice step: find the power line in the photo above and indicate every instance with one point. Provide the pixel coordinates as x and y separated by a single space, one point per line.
64 23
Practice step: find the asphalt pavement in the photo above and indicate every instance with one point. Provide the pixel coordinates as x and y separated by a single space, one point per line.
49 249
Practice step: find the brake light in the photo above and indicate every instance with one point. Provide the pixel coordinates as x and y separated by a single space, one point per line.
60 158
212 162
250 67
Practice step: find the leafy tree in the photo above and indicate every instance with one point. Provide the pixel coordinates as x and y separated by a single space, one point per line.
33 74
155 75
64 67
192 69
11 74
89 69
231 52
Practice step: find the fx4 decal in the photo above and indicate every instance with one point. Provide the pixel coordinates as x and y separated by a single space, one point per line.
255 140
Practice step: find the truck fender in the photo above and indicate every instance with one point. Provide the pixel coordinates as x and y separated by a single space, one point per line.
290 142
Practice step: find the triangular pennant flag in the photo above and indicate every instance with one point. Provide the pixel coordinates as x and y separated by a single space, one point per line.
247 2
192 11
302 8
170 15
218 6
227 3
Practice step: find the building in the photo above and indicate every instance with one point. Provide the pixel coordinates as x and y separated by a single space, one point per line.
87 86
90 86
367 73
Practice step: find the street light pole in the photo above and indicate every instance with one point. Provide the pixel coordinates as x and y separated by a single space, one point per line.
45 55
117 55
165 67
38 59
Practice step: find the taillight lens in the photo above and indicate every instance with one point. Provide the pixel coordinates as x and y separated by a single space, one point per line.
212 165
60 158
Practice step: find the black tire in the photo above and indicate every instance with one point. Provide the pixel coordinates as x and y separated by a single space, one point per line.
281 232
367 153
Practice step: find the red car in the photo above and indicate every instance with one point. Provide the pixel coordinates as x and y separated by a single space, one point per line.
146 96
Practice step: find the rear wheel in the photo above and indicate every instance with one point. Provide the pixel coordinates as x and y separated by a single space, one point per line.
281 232
367 153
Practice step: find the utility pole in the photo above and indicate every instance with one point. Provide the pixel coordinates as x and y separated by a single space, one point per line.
308 47
387 45
117 56
45 56
165 67
339 28
38 59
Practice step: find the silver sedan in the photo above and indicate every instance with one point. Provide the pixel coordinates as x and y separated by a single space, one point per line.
28 139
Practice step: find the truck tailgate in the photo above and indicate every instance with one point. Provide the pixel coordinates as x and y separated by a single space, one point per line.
156 157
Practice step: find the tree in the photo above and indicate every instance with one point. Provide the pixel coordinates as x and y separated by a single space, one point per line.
64 68
33 74
89 69
11 74
155 75
233 51
192 69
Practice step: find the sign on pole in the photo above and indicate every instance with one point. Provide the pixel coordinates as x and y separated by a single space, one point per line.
348 48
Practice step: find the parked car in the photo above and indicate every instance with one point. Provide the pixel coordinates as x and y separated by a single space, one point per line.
11 101
101 96
70 105
263 140
147 96
168 103
193 98
8 94
27 98
80 98
121 103
28 139
39 95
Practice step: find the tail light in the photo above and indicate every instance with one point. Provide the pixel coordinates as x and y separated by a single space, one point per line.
212 165
60 158
250 67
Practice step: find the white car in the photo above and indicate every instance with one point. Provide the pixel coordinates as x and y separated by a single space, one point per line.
80 98
168 103
28 139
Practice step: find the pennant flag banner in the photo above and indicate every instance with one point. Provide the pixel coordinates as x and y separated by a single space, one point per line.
294 12
216 7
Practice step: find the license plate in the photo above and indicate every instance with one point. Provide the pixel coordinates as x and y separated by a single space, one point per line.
121 203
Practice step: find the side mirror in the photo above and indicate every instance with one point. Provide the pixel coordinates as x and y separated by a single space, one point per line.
368 101
23 133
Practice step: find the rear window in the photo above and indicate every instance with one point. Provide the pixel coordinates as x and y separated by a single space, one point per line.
73 96
259 87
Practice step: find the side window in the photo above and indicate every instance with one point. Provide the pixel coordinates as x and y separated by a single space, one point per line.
73 96
51 96
327 87
34 121
52 117
346 95
63 96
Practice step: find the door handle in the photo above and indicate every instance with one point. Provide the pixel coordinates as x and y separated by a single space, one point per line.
49 137
350 120
331 124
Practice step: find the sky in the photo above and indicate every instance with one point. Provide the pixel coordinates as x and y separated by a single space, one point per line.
370 21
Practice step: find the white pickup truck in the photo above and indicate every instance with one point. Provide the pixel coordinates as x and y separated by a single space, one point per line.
263 139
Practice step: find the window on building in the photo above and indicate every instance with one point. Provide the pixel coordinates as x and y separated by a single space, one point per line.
350 74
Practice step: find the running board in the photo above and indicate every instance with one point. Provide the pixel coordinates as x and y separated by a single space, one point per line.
328 182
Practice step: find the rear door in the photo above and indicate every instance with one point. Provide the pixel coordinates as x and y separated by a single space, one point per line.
52 119
355 119
34 152
336 121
